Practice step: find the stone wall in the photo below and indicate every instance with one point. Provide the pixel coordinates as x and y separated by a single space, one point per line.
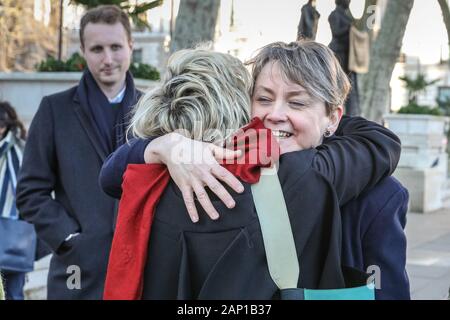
25 90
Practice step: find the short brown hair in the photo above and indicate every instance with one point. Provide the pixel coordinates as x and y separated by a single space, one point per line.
309 64
109 14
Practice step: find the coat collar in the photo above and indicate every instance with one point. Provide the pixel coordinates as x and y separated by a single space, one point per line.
88 123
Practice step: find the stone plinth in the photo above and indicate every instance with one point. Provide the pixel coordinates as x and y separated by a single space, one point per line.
424 187
423 164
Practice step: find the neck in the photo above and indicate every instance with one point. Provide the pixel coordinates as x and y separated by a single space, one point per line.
112 91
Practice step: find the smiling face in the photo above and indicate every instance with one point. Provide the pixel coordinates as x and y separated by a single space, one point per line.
107 51
297 119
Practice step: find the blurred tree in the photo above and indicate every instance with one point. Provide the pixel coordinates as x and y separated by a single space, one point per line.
136 11
24 40
365 23
384 52
446 16
196 22
416 85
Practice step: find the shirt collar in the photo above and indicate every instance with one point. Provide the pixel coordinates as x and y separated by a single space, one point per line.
119 97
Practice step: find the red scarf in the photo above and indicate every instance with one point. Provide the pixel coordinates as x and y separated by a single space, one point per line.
142 188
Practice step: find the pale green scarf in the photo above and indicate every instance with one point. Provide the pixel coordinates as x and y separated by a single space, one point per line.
2 294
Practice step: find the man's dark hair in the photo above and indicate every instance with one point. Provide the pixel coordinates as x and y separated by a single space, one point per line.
109 14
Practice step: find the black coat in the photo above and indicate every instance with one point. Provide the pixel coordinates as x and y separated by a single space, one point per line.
225 259
64 155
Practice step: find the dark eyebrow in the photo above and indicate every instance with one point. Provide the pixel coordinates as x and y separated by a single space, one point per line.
95 47
268 90
297 93
289 93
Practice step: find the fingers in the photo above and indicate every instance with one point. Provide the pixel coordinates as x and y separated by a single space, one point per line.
189 203
224 154
205 202
227 177
216 187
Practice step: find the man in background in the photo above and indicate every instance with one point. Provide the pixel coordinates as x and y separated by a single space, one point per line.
69 138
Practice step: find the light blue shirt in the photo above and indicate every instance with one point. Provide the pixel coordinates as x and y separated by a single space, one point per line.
119 97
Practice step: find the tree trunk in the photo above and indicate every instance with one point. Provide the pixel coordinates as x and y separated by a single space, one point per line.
364 23
375 89
196 22
446 16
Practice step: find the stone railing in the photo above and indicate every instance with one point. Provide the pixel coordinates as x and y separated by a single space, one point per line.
25 90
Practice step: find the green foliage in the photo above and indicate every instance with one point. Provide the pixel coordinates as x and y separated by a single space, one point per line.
135 11
51 65
73 64
416 85
413 108
144 71
77 63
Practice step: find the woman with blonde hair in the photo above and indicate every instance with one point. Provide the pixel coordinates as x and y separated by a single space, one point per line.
297 99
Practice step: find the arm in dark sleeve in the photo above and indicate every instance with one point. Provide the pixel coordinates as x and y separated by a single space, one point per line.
384 246
37 179
358 156
114 167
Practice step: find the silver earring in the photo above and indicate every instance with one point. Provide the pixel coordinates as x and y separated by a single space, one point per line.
327 133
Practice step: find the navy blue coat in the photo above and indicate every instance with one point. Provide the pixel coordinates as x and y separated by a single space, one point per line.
373 235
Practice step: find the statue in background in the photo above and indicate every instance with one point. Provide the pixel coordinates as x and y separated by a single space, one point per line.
309 19
341 20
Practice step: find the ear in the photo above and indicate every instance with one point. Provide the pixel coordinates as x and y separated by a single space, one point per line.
335 118
82 50
131 44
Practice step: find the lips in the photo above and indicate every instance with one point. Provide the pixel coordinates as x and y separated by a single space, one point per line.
108 71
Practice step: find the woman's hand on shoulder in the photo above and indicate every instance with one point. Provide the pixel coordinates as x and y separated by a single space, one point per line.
193 165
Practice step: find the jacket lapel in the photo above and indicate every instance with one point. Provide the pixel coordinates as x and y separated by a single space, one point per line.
89 127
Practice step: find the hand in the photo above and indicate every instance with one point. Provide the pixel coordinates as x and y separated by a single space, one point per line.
68 243
192 166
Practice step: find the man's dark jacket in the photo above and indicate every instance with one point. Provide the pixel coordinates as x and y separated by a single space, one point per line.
64 155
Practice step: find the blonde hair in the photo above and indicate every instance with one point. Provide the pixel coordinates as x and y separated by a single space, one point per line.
309 64
204 93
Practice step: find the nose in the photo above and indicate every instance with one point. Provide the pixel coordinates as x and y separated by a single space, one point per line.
107 58
277 114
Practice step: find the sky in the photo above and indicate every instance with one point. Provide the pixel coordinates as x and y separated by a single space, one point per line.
276 20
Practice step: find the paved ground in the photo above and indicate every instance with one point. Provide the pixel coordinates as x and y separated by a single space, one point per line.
428 262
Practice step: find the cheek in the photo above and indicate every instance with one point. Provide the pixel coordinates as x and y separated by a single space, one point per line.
124 55
308 131
92 61
258 111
